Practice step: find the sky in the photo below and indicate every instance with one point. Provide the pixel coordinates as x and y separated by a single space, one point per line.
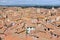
30 2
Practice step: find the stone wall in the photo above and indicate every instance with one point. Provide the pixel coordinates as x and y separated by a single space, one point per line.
31 23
